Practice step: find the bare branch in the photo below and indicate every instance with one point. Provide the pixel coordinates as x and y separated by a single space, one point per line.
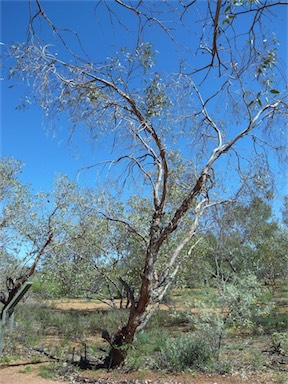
128 225
215 34
56 31
129 291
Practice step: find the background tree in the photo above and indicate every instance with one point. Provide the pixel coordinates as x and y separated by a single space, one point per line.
243 240
285 211
29 227
229 96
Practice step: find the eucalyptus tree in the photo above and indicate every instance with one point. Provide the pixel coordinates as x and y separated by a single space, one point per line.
285 211
30 224
243 240
87 261
219 101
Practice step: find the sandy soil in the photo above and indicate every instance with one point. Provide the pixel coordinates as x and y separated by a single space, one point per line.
17 375
86 305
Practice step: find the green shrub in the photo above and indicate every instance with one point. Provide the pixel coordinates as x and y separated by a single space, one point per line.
223 367
271 322
47 372
145 347
27 369
186 352
6 359
280 343
255 359
281 378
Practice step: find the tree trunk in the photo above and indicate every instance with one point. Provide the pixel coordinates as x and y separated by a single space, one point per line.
121 341
137 319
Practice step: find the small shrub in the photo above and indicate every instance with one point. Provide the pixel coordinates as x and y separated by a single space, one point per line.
222 367
47 372
6 359
256 360
27 369
145 347
186 352
281 378
271 322
280 343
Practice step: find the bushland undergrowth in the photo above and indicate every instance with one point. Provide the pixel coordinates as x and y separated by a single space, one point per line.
172 342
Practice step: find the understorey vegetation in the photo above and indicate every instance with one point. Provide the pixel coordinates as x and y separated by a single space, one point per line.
183 337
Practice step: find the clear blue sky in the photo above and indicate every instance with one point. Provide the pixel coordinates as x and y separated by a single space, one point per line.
22 131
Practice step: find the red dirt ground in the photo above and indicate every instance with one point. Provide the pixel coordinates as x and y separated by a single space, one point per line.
17 375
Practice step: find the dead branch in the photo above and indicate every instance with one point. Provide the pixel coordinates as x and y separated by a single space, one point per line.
130 293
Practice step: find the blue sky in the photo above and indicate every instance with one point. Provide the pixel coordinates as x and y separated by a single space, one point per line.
22 131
